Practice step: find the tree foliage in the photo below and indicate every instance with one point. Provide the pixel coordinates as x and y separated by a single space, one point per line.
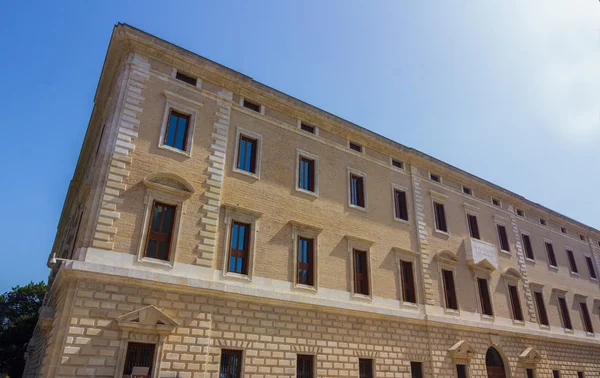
18 315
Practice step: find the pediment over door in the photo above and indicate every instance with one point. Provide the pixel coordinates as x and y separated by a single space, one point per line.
462 350
530 355
148 319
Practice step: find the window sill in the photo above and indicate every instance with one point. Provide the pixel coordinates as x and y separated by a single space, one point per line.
488 318
357 207
153 261
410 305
441 234
544 327
400 220
527 259
246 173
362 297
175 150
519 322
593 279
569 331
307 192
306 288
451 311
552 267
590 334
575 274
237 277
508 253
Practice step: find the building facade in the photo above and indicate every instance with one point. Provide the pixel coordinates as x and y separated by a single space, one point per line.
216 227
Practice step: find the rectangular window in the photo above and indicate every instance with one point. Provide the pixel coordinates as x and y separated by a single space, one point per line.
239 245
503 236
484 297
355 146
527 246
397 164
408 282
555 374
361 272
563 229
231 363
496 202
161 230
530 373
357 191
579 374
551 255
541 307
572 263
585 314
177 130
515 302
467 190
434 177
306 174
440 217
401 207
251 106
473 228
365 368
449 289
461 371
307 128
305 261
416 369
543 222
139 354
520 213
591 268
582 237
186 79
247 150
304 366
564 313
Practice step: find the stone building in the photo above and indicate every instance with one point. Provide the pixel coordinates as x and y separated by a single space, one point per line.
216 227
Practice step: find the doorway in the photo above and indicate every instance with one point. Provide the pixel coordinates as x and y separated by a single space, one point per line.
494 364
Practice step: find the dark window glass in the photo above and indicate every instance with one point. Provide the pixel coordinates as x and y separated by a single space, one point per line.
467 190
520 213
435 178
484 297
231 364
530 373
176 133
461 371
563 230
306 176
564 313
139 354
579 374
503 238
252 106
581 237
361 272
440 217
587 321
416 369
572 263
408 282
400 204
307 128
185 78
247 154
304 366
555 373
238 251
473 227
161 229
357 194
305 261
591 268
365 368
527 246
541 307
449 290
495 202
543 222
515 302
397 164
551 255
355 147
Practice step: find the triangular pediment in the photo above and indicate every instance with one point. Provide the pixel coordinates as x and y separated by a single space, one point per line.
484 265
148 319
530 355
462 349
446 257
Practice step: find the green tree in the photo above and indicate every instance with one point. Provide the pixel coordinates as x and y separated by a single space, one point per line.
18 315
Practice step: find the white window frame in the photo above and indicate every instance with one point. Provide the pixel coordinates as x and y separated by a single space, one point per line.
301 153
435 174
396 187
310 232
361 245
480 275
503 224
362 147
262 107
462 191
237 214
127 337
441 199
183 105
243 132
412 257
403 169
492 199
352 171
300 122
588 256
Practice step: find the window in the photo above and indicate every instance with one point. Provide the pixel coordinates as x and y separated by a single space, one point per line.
582 237
355 146
365 368
541 307
449 289
408 282
564 313
551 255
496 202
139 355
251 106
473 228
238 249
304 366
185 78
434 177
555 374
467 190
543 222
585 314
515 302
579 374
598 243
247 154
231 363
397 164
357 190
306 174
177 130
416 369
440 217
160 232
305 266
572 263
461 371
527 246
530 373
503 238
563 229
520 213
361 272
484 297
400 205
591 268
308 128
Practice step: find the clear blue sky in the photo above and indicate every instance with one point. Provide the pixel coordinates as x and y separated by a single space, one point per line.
504 90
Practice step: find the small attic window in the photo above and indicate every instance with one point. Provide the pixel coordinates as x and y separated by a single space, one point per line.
520 213
563 229
186 79
355 146
496 202
435 177
467 190
251 106
543 222
397 164
582 237
307 128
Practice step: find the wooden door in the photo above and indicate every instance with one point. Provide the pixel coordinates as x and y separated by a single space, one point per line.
496 372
